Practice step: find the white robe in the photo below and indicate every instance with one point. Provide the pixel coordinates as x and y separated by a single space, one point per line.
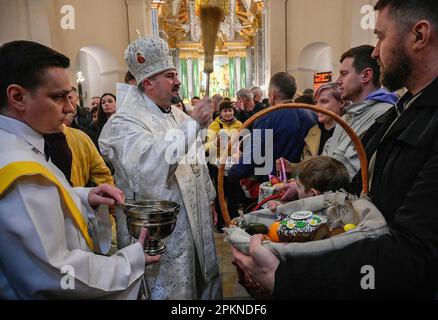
39 242
133 140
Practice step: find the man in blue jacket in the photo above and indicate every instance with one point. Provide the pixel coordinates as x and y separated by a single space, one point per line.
289 128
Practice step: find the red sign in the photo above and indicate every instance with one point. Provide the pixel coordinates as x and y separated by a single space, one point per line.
321 78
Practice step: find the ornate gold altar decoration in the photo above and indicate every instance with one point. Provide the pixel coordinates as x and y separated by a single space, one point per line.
175 25
179 24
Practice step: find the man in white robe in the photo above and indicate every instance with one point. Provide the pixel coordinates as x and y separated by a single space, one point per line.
49 230
136 140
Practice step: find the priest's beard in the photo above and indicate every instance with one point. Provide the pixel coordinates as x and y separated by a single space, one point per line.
396 73
175 100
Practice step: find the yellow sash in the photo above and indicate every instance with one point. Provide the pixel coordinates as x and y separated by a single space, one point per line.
15 170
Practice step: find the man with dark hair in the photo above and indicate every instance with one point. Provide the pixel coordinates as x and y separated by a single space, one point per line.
48 228
360 59
289 128
94 103
305 98
282 87
404 154
82 118
193 103
309 91
359 82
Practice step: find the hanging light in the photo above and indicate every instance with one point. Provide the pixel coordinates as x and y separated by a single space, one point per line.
79 77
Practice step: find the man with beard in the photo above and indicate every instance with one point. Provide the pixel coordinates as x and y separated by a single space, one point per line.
157 154
359 82
404 151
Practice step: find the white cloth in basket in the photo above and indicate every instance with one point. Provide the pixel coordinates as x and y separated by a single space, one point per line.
337 207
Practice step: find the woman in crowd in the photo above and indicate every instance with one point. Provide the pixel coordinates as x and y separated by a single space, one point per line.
329 98
225 125
107 108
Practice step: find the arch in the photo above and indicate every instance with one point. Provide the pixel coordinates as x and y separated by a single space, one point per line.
315 57
100 70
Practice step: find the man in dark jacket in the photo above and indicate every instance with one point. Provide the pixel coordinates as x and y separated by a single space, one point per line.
81 119
289 128
404 172
245 106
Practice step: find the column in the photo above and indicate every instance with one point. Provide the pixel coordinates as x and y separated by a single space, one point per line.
190 78
196 83
238 74
276 15
251 68
259 53
232 72
243 73
184 79
139 18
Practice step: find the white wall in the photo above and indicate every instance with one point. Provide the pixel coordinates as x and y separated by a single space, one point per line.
102 23
316 57
100 70
296 25
25 20
291 27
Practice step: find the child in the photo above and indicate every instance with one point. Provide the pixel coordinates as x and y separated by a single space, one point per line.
227 123
318 175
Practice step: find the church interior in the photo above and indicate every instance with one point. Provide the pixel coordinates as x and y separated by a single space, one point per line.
256 39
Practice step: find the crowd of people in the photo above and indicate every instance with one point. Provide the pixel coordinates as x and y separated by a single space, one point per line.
62 163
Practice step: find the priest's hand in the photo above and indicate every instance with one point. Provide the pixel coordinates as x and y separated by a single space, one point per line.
105 194
261 264
203 112
141 239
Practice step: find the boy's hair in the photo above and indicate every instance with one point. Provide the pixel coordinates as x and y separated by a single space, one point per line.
24 63
323 174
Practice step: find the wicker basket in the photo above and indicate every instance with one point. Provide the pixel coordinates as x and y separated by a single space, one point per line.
253 288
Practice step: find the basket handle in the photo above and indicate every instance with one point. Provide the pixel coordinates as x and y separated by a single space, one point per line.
354 138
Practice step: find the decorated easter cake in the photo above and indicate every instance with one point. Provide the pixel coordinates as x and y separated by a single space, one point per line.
303 226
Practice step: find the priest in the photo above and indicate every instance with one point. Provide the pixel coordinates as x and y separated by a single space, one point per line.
157 154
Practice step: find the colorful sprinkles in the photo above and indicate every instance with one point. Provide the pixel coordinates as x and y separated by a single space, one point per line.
291 228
